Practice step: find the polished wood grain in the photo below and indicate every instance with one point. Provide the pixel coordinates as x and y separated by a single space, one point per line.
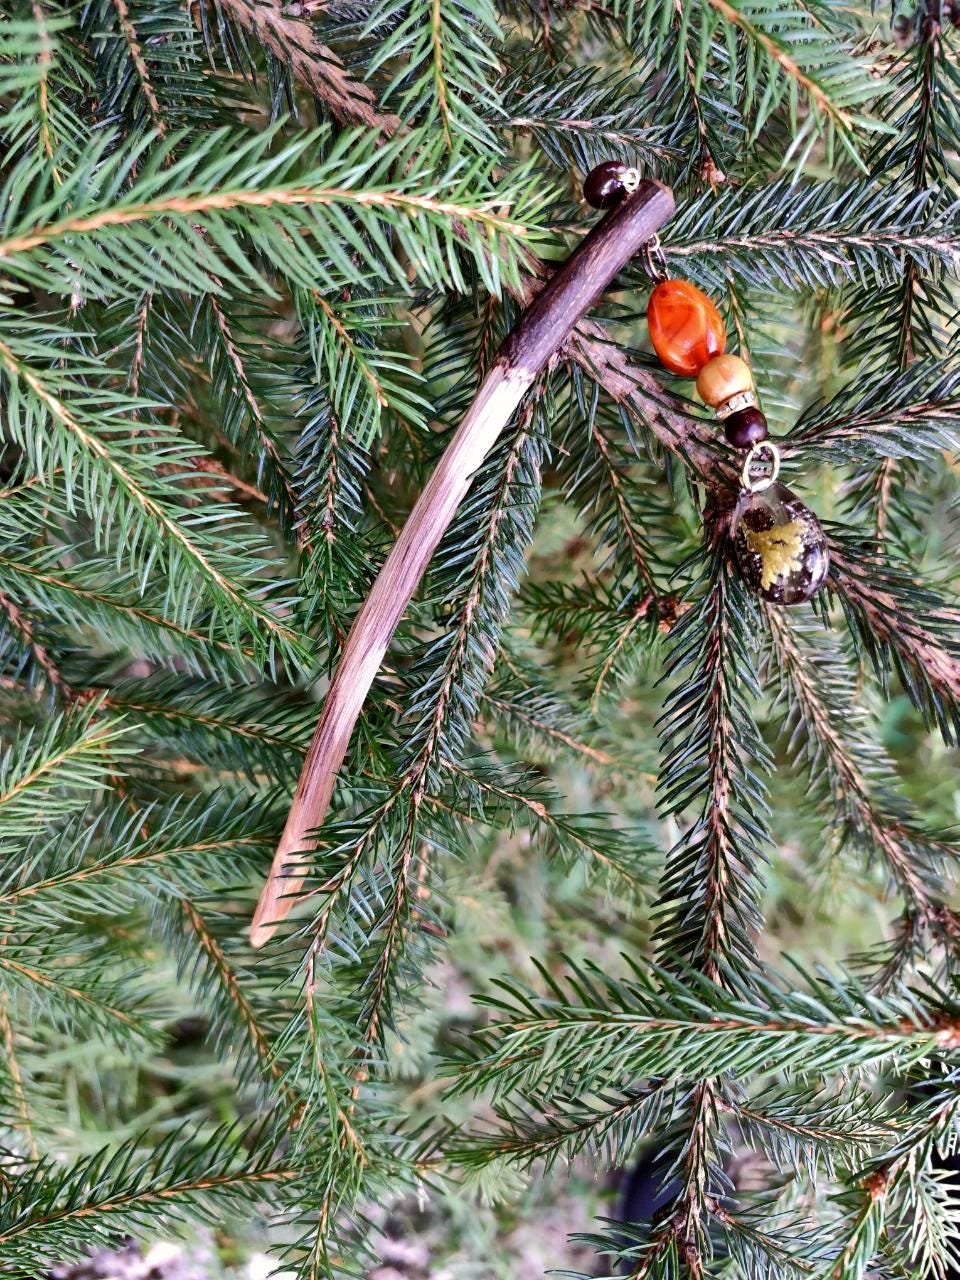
537 336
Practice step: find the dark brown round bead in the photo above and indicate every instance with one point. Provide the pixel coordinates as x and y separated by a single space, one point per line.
745 428
602 187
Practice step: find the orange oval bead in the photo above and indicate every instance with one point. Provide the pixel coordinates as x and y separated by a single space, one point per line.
685 327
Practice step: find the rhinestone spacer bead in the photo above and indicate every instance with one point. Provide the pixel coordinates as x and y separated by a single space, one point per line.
742 400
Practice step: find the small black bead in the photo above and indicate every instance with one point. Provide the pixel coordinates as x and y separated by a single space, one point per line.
602 186
745 428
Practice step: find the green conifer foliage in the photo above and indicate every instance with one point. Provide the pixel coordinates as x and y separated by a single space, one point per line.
255 257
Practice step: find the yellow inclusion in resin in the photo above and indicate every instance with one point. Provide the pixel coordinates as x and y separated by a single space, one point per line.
780 550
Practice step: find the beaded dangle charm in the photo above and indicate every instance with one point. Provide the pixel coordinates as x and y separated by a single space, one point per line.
779 545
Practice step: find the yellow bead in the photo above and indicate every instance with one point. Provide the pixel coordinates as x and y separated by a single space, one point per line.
721 378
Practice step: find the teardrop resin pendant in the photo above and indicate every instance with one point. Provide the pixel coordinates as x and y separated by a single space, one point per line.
779 544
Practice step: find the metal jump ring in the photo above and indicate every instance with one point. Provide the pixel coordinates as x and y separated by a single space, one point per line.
655 259
630 180
761 482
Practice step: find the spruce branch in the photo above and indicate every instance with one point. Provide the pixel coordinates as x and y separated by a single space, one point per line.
532 713
904 322
118 611
52 772
694 1029
46 1217
566 1129
24 628
621 854
792 236
901 626
447 66
260 332
99 459
795 61
709 910
580 118
135 49
120 850
55 996
887 1206
117 236
231 373
816 1132
897 415
814 686
441 708
295 43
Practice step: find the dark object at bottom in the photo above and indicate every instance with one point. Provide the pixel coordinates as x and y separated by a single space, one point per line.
645 1191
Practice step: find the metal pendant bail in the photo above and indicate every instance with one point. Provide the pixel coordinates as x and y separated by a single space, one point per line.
756 484
630 180
655 260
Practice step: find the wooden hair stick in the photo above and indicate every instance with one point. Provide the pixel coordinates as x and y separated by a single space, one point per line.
537 336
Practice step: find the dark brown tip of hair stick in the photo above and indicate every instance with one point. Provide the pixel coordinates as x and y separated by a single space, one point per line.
538 335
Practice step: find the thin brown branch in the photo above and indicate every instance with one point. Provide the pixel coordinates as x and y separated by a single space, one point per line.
710 171
634 619
24 628
489 215
625 515
852 792
918 645
815 92
267 443
231 985
313 63
139 342
88 1207
23 1122
140 63
439 80
719 851
638 391
43 89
